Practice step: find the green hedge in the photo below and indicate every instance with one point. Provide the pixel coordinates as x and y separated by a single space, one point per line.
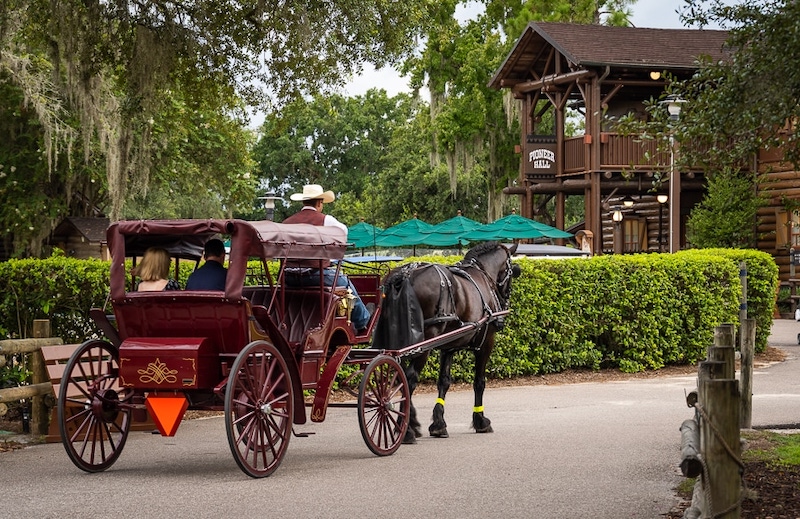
633 312
58 288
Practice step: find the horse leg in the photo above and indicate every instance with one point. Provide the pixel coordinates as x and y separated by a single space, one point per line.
439 427
480 423
414 430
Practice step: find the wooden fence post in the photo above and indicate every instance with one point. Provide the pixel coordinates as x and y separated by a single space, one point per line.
41 328
717 403
747 346
40 412
720 446
718 407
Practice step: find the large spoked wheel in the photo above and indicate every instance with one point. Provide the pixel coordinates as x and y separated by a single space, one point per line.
383 405
92 423
259 407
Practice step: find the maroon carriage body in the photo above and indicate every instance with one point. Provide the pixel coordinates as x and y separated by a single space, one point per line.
248 351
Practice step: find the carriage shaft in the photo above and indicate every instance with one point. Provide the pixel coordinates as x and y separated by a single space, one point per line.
427 344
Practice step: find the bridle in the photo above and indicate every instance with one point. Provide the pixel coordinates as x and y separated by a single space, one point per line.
502 287
504 284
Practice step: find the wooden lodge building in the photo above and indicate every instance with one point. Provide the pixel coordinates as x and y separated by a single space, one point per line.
81 237
605 72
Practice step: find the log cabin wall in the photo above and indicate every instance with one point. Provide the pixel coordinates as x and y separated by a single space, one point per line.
778 230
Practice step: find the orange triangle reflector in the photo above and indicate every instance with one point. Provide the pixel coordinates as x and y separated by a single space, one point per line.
167 412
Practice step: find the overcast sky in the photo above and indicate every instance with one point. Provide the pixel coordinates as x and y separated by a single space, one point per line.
661 14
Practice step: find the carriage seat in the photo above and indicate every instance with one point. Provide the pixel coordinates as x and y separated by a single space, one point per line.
303 322
258 295
175 313
307 315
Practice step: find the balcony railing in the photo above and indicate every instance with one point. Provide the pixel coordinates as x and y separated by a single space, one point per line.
617 152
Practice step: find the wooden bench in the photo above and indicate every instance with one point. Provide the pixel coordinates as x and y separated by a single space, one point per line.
55 360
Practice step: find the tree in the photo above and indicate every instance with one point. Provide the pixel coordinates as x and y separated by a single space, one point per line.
100 73
200 167
410 187
34 191
734 108
475 128
727 215
340 142
471 131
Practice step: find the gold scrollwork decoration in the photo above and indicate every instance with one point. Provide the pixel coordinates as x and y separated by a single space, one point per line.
158 372
122 381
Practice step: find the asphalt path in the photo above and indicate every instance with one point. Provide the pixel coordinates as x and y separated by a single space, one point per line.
585 450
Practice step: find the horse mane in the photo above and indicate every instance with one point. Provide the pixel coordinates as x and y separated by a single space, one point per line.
479 250
396 275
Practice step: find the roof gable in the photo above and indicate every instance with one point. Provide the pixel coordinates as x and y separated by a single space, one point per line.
618 47
92 229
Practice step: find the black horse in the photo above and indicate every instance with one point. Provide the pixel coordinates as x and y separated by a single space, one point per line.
423 301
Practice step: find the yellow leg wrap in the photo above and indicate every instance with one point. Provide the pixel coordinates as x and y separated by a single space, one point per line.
440 401
477 409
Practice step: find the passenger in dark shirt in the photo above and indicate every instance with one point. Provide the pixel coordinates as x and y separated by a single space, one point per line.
212 275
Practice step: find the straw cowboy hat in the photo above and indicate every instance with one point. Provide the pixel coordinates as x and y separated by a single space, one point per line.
312 192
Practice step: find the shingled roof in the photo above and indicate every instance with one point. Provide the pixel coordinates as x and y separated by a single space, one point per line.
586 46
92 229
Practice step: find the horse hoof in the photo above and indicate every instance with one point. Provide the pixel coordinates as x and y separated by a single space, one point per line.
439 433
486 429
417 432
409 438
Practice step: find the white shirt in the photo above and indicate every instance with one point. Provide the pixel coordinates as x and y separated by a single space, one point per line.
329 220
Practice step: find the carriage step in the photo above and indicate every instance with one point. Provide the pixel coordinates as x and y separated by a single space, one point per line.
302 434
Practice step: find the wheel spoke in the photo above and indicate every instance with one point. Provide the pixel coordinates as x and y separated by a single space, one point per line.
268 385
246 430
383 404
107 430
89 425
80 385
93 426
258 409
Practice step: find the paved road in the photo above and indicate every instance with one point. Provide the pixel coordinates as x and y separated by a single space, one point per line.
589 450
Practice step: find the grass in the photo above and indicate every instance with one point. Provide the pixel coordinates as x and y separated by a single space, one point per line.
775 449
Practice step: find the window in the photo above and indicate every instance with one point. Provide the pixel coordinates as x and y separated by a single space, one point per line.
787 229
635 234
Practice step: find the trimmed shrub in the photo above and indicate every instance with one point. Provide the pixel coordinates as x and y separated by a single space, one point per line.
631 312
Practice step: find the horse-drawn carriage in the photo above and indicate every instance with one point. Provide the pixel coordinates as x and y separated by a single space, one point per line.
250 351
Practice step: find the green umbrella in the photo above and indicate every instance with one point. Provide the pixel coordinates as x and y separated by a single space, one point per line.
362 235
405 234
448 233
514 227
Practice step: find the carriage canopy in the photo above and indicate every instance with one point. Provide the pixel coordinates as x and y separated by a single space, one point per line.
185 239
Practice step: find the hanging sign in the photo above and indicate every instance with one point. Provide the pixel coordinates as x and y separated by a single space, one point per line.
540 155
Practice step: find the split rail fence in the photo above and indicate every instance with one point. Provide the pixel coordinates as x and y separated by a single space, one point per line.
711 440
47 358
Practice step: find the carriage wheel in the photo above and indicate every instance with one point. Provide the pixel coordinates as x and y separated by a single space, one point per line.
383 405
259 407
92 423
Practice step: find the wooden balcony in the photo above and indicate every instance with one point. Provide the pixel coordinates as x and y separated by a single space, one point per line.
617 153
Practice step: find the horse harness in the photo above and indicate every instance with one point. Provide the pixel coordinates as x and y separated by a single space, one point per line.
445 307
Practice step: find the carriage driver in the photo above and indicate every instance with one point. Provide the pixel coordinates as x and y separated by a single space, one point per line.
313 198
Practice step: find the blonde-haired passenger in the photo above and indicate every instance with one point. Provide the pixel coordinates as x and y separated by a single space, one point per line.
153 271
